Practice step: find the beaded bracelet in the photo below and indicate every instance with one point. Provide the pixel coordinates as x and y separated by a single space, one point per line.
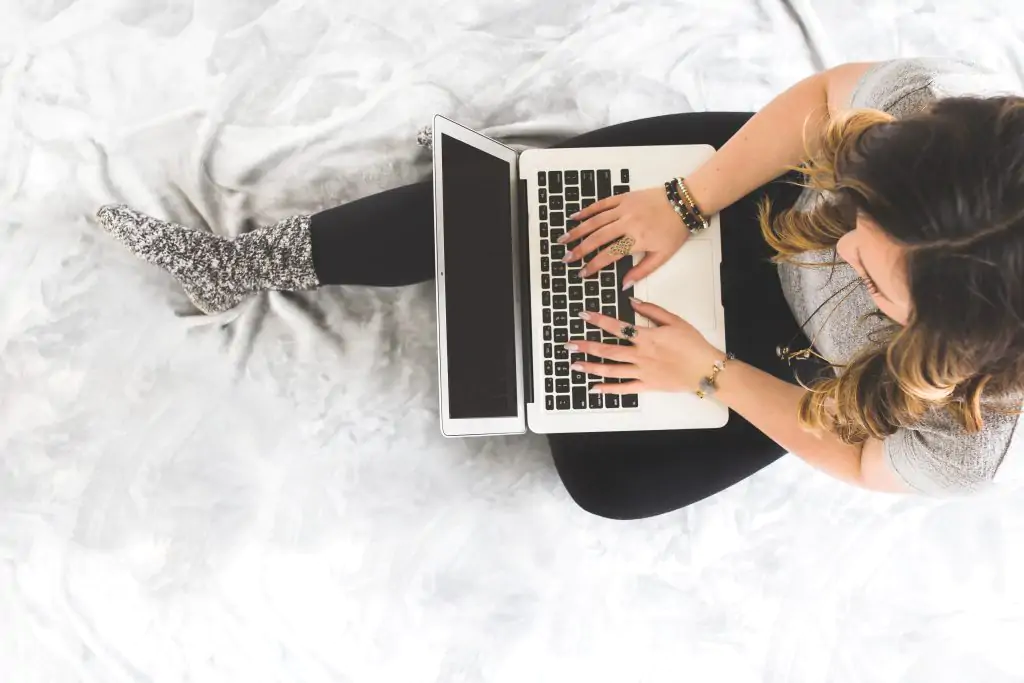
707 384
679 206
690 204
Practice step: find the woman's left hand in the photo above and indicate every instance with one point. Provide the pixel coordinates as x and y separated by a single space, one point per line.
672 357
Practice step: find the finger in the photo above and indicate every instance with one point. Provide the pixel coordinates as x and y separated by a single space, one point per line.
609 324
654 312
596 208
650 263
634 387
599 239
626 354
604 258
624 370
583 229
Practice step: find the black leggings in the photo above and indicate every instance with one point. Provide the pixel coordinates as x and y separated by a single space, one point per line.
621 475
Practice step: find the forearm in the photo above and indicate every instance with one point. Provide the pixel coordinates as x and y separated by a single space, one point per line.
771 405
773 140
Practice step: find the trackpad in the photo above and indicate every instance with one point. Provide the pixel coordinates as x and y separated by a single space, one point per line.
686 285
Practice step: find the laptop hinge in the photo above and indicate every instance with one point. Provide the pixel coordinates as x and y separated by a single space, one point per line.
524 289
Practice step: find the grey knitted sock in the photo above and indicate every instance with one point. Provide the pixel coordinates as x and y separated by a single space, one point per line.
218 273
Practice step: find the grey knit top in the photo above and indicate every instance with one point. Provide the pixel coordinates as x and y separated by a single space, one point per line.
937 456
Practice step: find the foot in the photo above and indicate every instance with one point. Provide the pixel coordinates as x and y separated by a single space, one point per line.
199 260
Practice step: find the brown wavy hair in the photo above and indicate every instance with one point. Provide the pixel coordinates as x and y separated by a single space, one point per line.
947 185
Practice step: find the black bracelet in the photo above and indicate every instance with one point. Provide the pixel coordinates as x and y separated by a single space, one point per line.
679 206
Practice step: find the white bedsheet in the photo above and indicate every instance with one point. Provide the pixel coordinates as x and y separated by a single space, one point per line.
265 496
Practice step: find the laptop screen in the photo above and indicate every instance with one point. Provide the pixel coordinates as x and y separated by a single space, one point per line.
479 283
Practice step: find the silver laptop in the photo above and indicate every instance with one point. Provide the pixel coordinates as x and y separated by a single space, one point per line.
506 302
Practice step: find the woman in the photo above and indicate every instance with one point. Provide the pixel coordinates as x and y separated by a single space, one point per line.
903 262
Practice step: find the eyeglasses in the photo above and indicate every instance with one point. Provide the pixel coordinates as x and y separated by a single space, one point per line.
807 365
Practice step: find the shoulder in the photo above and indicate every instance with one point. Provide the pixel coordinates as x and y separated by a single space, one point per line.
938 456
903 87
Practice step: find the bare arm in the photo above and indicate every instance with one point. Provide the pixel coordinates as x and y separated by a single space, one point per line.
773 140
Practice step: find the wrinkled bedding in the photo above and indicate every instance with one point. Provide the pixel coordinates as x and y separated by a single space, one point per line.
265 495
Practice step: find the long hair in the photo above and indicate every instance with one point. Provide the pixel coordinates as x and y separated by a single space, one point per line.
948 186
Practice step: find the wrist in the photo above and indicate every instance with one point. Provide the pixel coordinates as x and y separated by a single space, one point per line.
715 365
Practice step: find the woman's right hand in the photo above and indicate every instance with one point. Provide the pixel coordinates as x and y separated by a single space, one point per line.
645 215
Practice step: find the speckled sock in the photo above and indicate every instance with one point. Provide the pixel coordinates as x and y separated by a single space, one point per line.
217 273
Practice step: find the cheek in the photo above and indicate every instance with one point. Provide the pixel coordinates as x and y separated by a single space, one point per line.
844 247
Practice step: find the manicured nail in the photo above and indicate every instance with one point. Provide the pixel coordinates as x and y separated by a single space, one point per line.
633 300
563 239
628 284
577 367
585 272
585 315
568 257
574 216
594 390
571 347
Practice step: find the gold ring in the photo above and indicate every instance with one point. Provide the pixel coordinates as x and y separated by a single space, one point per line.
622 246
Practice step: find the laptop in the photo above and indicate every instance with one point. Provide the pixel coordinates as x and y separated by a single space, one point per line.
506 303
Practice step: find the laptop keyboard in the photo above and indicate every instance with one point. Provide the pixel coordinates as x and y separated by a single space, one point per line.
564 293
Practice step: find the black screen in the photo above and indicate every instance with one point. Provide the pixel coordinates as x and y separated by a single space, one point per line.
479 287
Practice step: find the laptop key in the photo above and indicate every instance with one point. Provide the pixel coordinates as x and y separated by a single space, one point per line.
577 358
592 305
543 229
611 400
593 287
561 369
587 201
594 335
574 309
545 281
557 218
563 402
542 195
543 246
609 296
572 177
546 315
576 327
574 276
562 385
549 402
621 189
545 298
624 176
607 278
545 264
630 401
558 268
555 203
595 401
549 385
542 178
558 251
572 194
543 213
556 234
570 209
579 398
549 368
561 335
560 302
561 318
547 333
609 311
548 351
587 183
555 181
604 183
579 377
559 285
561 353
576 293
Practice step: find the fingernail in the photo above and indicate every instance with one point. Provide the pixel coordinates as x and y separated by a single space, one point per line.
563 239
585 315
567 258
628 284
594 390
577 367
571 347
573 217
585 272
634 300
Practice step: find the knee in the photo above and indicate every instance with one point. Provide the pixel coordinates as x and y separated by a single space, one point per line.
604 497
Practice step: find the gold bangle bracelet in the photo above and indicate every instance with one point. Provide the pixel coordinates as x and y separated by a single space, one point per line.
692 205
